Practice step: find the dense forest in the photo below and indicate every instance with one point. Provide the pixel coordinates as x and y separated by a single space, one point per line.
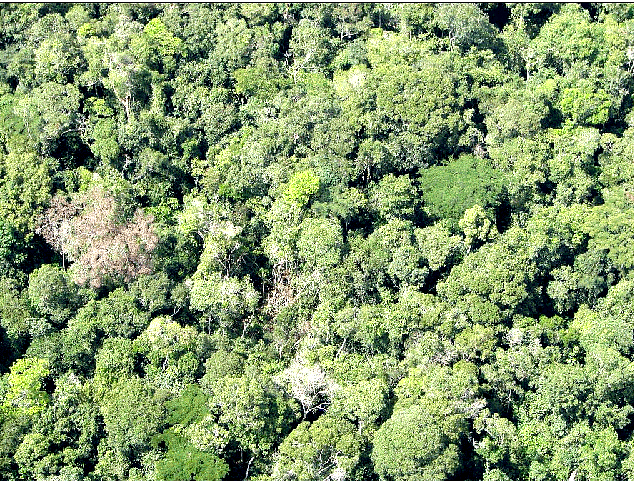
316 242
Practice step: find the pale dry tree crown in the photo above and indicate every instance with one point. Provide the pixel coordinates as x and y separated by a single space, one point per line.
310 385
90 232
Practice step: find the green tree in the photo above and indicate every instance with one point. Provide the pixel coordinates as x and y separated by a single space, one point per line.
449 190
394 197
132 415
25 394
63 441
26 185
418 442
327 448
172 354
224 301
301 187
49 112
319 244
466 25
477 226
183 459
53 294
310 48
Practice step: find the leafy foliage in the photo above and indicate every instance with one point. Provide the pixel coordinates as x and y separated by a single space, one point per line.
316 241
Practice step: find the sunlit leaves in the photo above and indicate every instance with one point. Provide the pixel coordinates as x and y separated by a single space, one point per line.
25 394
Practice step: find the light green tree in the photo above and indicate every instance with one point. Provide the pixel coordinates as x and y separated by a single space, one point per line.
25 394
